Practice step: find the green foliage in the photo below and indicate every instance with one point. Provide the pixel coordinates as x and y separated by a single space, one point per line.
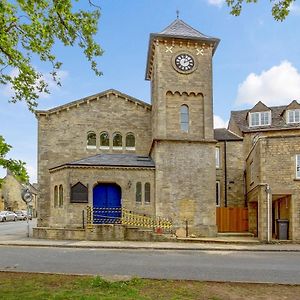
280 8
30 28
17 167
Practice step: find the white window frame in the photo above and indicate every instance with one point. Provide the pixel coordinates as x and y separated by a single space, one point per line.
261 116
218 191
293 113
297 166
217 157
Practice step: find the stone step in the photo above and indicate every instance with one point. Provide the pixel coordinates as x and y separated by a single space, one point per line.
238 234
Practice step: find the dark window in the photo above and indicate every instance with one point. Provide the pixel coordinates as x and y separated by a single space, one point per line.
91 140
79 193
138 192
104 140
130 141
55 196
61 196
147 192
117 140
184 118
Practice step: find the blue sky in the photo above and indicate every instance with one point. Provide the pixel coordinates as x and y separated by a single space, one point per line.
257 59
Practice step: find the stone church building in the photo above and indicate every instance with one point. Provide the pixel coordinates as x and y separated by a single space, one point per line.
162 159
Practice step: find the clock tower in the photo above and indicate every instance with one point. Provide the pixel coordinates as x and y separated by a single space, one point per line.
179 67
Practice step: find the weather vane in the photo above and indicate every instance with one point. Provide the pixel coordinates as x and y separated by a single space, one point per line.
177 13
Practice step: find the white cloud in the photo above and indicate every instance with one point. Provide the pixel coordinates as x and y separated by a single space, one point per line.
52 86
219 122
276 86
32 173
218 3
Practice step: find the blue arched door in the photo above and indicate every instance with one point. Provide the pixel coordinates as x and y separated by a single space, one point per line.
106 203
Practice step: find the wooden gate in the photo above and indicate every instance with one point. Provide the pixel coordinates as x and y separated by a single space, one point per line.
232 219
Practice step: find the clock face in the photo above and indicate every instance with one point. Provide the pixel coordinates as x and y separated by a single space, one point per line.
184 62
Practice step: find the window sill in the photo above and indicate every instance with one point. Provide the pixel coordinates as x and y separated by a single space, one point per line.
296 179
91 147
104 148
130 148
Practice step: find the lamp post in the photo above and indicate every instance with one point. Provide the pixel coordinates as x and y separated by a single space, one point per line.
27 198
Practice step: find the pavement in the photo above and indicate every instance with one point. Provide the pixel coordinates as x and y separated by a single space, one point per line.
228 244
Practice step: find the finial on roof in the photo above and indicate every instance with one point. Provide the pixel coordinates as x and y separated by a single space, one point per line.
177 13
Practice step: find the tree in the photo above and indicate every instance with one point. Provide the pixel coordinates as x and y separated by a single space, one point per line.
17 167
30 28
280 8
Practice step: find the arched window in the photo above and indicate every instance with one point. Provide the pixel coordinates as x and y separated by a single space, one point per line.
147 192
55 196
184 118
91 140
61 196
79 193
130 141
104 140
117 141
138 192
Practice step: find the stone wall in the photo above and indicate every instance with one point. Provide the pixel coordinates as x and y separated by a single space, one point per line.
185 184
234 173
62 135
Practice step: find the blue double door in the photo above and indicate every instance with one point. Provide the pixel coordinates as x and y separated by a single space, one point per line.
106 203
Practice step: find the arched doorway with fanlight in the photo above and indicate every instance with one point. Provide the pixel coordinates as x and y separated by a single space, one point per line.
107 203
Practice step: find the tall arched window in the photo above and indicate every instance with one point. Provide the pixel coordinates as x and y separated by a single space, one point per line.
184 118
91 140
104 140
61 196
130 141
147 192
56 196
138 192
117 141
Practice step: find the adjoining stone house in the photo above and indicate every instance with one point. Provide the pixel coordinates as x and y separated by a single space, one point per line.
271 154
10 193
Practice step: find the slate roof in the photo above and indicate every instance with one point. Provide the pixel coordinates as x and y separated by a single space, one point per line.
178 28
278 120
223 134
114 160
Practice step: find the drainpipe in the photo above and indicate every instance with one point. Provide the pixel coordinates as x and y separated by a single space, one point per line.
268 191
225 172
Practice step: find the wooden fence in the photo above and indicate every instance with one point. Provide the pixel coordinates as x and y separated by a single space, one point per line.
232 219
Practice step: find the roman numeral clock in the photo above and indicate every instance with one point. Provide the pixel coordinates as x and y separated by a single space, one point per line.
184 63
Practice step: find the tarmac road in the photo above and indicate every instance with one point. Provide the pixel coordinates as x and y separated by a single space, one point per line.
275 267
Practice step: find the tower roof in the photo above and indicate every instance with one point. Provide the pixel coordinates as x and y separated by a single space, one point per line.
178 28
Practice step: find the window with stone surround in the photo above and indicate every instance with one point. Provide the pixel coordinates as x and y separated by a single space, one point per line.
91 140
184 118
60 196
117 141
138 193
218 193
79 193
130 141
56 196
104 140
217 157
298 166
293 116
147 192
261 118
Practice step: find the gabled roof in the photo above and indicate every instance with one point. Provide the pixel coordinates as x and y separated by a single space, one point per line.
112 160
258 107
93 98
223 134
293 105
278 120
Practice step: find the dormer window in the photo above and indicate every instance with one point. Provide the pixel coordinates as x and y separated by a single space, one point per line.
262 118
293 116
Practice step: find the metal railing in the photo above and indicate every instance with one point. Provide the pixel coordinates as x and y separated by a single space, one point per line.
104 215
